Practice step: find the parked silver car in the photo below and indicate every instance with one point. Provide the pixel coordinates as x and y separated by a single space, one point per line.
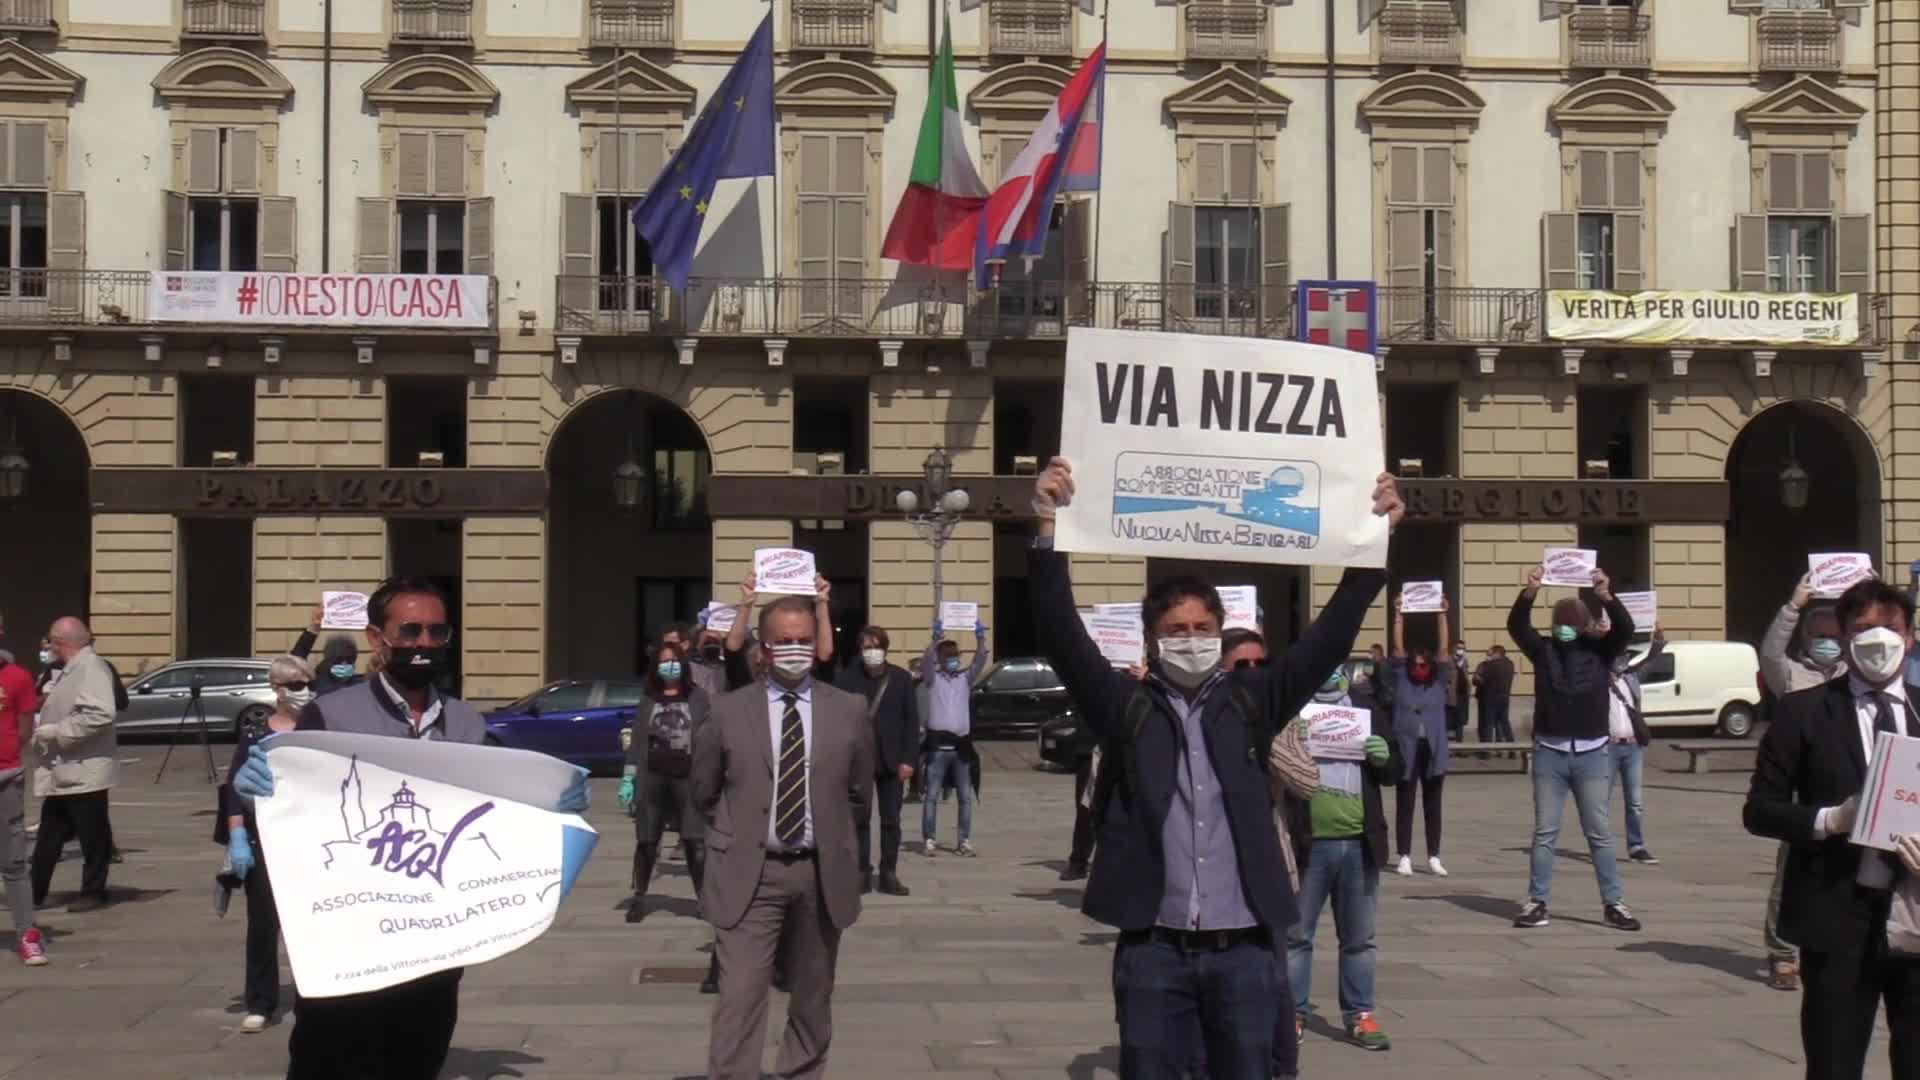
234 692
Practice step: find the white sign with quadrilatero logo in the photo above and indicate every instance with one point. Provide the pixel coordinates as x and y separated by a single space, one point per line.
1233 449
397 858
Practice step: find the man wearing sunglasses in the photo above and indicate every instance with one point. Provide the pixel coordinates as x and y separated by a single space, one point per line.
401 1032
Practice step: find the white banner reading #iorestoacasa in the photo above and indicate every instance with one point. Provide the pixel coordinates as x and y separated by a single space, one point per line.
442 301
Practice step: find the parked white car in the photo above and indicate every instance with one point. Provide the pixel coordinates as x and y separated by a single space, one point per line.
1702 684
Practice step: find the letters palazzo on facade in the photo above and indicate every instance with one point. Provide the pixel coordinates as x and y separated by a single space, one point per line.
454 358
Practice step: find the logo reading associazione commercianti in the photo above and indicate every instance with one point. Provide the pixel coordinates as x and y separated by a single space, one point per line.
403 837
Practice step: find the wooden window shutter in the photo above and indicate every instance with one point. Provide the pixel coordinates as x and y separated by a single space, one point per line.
606 153
1404 303
449 163
203 161
1209 172
173 241
413 163
1629 259
1442 249
1276 271
1783 181
646 159
479 239
277 234
1243 172
814 210
1436 176
1853 253
1593 177
1403 175
6 151
1177 271
1816 181
29 154
66 250
579 228
850 165
1076 233
1626 179
375 229
1750 252
1560 245
1010 147
243 161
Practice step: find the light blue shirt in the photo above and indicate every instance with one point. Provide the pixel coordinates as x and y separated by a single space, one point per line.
776 715
1203 889
950 694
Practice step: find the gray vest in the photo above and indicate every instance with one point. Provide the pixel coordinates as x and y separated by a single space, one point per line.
360 709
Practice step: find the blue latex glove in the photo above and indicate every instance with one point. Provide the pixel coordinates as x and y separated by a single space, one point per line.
938 629
239 852
255 777
626 793
1376 748
980 629
576 798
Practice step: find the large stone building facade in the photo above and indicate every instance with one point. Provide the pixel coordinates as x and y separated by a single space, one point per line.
193 486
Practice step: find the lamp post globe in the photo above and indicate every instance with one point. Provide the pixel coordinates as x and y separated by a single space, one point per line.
954 502
907 501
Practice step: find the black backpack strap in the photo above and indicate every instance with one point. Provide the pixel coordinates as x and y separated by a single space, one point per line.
1260 733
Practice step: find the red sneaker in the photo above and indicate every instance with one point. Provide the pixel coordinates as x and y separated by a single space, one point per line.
32 948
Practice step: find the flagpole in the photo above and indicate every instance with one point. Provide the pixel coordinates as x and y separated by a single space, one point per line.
1100 193
623 263
773 181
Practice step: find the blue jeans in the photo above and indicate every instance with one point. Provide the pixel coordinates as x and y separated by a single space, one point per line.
942 764
1340 871
1164 995
1588 776
1629 767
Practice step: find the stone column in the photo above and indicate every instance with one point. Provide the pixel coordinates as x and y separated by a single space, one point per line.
297 558
135 582
503 606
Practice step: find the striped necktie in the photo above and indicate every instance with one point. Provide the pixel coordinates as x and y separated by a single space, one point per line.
790 785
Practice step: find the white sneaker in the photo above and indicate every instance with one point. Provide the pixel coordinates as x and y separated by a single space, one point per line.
253 1023
965 848
927 849
1405 869
1434 867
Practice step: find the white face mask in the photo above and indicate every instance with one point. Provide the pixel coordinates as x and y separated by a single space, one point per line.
792 662
297 699
1877 655
1189 660
874 657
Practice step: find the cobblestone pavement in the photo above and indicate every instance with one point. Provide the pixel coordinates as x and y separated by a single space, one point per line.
988 970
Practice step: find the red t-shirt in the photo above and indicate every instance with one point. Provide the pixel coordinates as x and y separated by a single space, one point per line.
20 701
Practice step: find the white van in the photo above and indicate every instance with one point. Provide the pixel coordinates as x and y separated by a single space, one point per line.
1702 684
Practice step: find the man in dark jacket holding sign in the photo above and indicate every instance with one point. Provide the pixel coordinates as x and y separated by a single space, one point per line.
895 718
1190 871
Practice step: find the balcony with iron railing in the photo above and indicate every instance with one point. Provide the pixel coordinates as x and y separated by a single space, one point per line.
634 24
1030 28
1226 30
120 299
224 20
1798 40
1412 32
26 14
433 20
1608 38
832 25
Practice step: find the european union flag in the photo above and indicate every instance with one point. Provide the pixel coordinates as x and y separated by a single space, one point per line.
733 137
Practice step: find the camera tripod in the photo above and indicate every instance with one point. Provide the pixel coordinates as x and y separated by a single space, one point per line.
194 707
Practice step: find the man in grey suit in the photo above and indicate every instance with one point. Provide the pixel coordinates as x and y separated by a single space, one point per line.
779 768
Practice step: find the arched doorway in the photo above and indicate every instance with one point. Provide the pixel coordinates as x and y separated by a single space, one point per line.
1769 538
629 544
46 540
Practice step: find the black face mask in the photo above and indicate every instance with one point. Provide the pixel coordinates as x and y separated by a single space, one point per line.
416 666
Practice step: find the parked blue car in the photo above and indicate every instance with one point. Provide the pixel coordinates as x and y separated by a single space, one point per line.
577 720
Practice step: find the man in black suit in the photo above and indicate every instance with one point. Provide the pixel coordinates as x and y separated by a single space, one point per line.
1805 791
895 717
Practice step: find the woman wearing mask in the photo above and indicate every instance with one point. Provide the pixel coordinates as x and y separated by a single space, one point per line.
1420 689
653 787
292 682
1802 648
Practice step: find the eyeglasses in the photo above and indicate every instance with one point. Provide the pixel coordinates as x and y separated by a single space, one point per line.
1242 665
295 685
412 633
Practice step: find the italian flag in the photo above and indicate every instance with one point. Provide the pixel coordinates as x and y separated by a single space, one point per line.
939 215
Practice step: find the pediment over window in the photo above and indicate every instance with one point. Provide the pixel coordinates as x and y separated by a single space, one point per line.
25 74
1423 98
431 79
219 74
1018 92
1229 95
1611 100
835 86
1804 104
631 82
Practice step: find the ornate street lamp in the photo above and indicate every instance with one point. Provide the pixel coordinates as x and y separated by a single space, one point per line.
629 482
935 524
13 468
1794 482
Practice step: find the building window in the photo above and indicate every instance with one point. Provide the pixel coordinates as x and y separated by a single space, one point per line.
1800 244
225 234
831 204
432 237
1237 247
1420 259
680 466
1224 266
221 221
1598 244
1799 254
23 243
625 261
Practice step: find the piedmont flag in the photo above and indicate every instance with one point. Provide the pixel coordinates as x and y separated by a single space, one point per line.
938 215
1062 155
732 138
